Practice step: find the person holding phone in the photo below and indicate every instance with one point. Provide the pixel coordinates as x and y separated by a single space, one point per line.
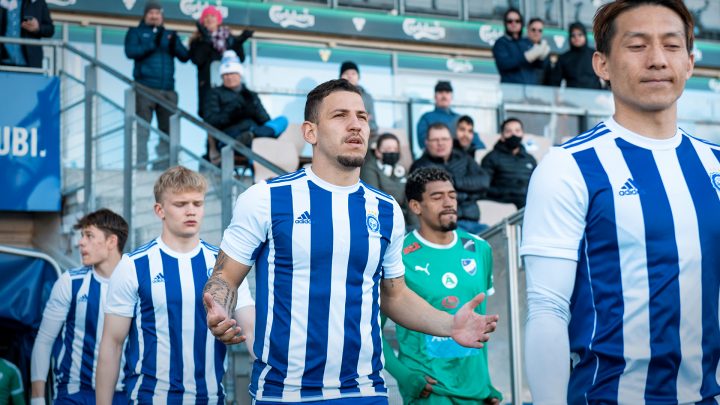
24 19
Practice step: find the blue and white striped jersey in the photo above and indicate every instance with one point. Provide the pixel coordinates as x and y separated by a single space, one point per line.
73 319
320 252
642 219
171 354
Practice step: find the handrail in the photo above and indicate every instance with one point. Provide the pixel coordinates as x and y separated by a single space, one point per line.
31 253
155 97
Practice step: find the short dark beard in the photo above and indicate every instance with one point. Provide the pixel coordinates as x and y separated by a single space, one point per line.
351 161
449 227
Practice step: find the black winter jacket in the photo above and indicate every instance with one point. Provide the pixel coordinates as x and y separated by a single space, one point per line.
575 66
470 180
203 54
509 55
154 56
38 9
510 174
234 112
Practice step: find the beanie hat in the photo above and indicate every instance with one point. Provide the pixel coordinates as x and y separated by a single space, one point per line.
443 85
152 5
230 63
347 65
211 10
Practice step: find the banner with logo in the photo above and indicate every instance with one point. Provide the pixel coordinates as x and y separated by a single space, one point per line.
30 143
351 23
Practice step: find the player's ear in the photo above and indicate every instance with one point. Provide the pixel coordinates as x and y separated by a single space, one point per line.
599 64
159 211
414 206
309 132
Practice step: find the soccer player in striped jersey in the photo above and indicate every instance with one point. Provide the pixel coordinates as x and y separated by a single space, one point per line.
155 301
73 318
326 247
621 233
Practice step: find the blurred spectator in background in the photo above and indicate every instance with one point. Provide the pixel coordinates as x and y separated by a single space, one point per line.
509 165
575 65
24 19
207 46
442 112
349 71
541 66
514 55
11 385
154 49
466 139
383 171
236 110
470 180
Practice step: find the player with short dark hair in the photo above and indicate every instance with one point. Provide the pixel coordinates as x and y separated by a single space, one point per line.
74 315
446 267
326 248
621 231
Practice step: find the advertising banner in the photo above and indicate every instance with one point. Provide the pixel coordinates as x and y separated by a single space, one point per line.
30 143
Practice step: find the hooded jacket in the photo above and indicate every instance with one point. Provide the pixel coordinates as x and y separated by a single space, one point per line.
575 65
154 57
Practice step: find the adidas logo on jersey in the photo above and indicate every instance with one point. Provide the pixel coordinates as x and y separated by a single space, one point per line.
304 218
629 188
83 298
160 278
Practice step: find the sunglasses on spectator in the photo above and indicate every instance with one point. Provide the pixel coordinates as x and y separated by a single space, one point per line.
514 21
536 29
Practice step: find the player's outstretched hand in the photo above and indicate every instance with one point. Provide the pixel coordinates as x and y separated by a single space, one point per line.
220 324
471 329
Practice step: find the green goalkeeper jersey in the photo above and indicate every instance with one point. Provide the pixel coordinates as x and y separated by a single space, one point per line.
447 277
11 387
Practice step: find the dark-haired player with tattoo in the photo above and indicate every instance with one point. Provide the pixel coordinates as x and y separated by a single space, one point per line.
326 247
155 300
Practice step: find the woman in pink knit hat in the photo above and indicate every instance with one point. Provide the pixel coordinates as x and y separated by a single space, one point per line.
207 45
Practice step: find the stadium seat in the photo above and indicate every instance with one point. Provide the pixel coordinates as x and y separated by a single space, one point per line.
536 145
293 135
282 153
493 212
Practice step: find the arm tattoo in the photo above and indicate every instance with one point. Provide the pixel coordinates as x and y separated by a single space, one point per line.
219 289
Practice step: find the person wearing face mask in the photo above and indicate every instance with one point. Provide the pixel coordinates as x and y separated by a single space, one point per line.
382 171
509 165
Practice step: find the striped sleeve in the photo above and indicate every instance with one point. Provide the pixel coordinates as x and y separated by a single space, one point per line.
249 226
392 261
122 295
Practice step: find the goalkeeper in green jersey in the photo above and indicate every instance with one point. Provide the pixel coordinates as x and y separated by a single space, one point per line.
447 267
11 385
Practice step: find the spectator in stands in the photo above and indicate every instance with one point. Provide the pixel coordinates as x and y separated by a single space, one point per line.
442 113
514 55
509 165
79 294
154 49
542 65
465 135
471 181
382 170
24 19
207 45
575 65
236 110
349 71
11 384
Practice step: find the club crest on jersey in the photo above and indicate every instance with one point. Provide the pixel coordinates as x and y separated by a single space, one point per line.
372 222
450 302
715 178
469 265
411 248
449 280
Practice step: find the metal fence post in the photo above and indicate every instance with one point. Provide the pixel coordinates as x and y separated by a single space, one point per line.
514 311
90 89
227 167
174 135
128 163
